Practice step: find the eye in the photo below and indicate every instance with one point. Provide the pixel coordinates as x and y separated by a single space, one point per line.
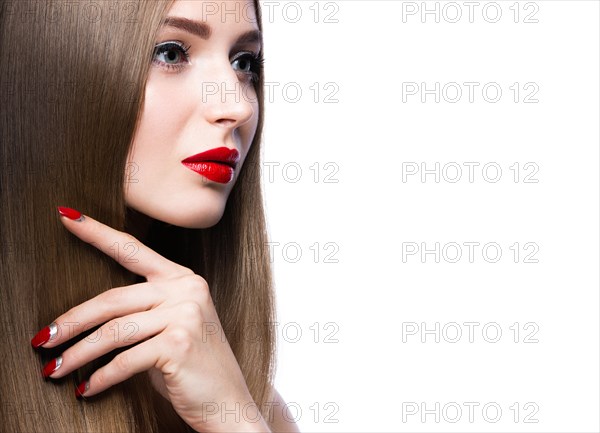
249 64
170 55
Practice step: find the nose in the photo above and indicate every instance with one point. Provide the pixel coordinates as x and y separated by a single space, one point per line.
227 101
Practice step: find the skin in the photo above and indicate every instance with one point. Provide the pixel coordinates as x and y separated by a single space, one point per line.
171 309
181 117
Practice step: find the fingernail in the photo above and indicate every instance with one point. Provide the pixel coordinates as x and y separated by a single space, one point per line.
44 335
52 366
82 388
72 214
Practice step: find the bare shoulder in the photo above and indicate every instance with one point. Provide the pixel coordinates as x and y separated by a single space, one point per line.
280 422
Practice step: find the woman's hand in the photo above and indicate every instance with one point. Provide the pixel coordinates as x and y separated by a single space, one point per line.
183 345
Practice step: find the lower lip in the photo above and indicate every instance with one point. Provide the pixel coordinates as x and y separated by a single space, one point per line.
214 171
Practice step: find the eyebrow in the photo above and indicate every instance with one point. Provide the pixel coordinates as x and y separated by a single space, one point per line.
203 30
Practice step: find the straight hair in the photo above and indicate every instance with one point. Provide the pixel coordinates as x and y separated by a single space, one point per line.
71 95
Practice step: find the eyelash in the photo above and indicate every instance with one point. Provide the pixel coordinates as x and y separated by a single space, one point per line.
166 47
256 60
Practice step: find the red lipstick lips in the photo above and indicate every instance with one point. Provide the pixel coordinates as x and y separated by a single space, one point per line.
217 164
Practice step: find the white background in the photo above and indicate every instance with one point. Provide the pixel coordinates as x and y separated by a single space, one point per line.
364 370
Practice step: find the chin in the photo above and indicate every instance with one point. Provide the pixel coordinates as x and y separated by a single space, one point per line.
204 215
192 218
195 222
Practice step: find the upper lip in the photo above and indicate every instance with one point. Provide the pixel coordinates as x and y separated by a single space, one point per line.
224 155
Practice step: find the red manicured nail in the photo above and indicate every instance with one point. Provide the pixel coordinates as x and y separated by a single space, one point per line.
72 214
82 388
44 335
52 366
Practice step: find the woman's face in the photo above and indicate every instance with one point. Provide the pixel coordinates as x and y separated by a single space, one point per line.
200 96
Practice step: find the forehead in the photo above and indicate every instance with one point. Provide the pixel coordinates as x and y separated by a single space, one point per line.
240 13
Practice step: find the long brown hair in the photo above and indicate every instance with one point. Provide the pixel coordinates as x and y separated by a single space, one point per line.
72 79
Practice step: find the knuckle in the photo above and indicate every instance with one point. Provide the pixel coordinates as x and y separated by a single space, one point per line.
112 296
122 362
197 289
106 331
190 313
183 271
129 238
73 356
101 379
180 340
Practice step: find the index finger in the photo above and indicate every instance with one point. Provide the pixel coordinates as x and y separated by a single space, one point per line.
123 247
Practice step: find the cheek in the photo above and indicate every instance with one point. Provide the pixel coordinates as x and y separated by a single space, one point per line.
163 117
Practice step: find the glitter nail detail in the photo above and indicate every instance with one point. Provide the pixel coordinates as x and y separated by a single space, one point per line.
82 389
53 330
52 366
45 335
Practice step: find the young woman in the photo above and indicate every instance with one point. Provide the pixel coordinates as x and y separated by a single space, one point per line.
131 219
